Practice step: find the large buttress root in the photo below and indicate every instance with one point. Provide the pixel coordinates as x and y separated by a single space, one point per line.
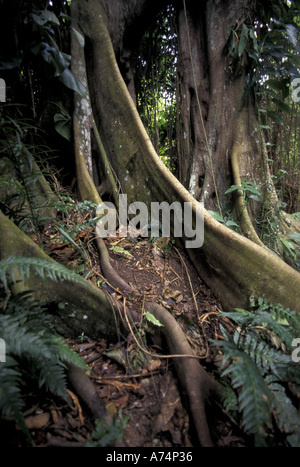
233 266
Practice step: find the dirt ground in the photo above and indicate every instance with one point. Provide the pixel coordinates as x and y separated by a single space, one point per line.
138 387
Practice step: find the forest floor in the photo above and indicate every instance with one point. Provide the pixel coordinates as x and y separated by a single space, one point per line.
140 388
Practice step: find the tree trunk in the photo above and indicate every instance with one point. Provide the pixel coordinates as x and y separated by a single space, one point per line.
232 265
222 143
82 120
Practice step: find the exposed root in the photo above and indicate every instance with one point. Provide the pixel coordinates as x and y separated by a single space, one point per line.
195 381
86 390
108 271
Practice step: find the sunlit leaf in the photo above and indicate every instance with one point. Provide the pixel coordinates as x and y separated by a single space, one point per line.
150 317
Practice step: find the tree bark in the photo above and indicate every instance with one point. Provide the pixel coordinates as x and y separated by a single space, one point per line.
232 265
82 120
219 132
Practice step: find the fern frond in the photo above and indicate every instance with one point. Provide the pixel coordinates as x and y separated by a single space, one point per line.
10 393
228 398
263 319
47 352
262 365
254 397
287 415
56 271
30 339
266 357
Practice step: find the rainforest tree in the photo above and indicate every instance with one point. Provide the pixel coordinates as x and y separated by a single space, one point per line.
221 134
219 155
219 137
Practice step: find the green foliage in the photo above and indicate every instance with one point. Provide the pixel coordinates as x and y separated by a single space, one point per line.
106 435
265 44
249 190
226 220
263 374
71 224
63 122
155 65
296 215
291 246
151 318
23 265
58 60
119 249
33 354
22 195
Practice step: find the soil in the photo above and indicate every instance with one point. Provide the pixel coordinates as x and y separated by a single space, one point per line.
139 388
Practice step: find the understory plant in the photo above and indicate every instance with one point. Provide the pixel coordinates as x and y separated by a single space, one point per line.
34 354
106 435
261 373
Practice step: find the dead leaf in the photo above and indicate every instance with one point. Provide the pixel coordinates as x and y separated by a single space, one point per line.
174 294
54 416
170 404
122 401
111 408
116 355
162 242
154 364
37 422
77 405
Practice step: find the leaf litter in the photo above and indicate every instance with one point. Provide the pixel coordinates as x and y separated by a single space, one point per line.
132 383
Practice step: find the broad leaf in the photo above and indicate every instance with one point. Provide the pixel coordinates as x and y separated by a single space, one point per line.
45 16
79 36
63 122
69 80
234 188
57 59
217 216
150 317
275 117
63 125
243 40
10 63
284 107
292 30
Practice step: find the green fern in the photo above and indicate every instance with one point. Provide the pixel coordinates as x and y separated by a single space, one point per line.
10 393
32 348
106 435
255 399
262 371
56 271
287 413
